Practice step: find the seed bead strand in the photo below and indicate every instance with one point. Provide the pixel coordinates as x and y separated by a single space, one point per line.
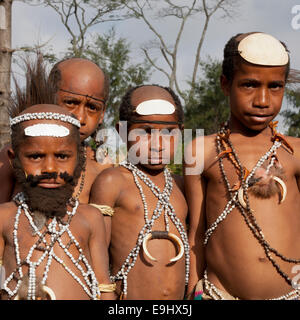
48 250
162 204
248 214
233 201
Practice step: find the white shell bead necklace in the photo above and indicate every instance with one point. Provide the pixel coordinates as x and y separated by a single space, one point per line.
56 230
163 203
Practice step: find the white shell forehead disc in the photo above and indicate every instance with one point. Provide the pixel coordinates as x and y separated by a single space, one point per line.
263 49
155 106
46 130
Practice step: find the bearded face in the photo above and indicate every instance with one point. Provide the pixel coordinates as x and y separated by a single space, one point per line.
50 202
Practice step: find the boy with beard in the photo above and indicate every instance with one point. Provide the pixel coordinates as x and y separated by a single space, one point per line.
148 246
244 206
50 246
79 86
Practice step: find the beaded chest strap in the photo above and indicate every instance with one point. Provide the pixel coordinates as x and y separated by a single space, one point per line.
163 204
225 148
55 229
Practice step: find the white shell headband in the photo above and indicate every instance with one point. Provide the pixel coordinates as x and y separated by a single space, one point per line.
263 49
45 116
155 106
46 130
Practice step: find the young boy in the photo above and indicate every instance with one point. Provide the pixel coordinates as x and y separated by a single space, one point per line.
244 208
148 201
81 87
50 246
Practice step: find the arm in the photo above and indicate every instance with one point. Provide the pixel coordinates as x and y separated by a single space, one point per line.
105 191
195 187
98 250
6 177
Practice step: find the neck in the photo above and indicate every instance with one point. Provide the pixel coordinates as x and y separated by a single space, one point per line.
237 127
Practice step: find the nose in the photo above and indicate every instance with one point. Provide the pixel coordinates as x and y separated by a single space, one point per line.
49 165
262 98
80 113
156 140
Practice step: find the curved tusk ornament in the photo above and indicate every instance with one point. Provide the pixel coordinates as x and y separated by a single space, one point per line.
145 243
163 235
283 188
47 290
241 198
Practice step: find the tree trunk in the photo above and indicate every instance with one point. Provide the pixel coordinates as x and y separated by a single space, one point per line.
5 68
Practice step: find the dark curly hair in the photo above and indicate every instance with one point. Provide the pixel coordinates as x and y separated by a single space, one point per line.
126 110
232 57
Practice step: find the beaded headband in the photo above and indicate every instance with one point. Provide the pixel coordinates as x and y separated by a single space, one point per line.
44 116
46 130
155 106
263 49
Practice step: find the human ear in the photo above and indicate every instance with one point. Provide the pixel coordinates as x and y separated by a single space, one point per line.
225 85
11 154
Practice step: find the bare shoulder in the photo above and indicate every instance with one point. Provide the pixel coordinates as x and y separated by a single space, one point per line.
89 212
294 142
7 211
200 153
108 186
110 175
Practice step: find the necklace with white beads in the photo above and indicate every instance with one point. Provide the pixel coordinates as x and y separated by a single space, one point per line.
162 204
56 230
233 201
245 209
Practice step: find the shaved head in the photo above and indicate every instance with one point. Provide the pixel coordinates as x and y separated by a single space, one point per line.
149 93
80 76
139 94
46 108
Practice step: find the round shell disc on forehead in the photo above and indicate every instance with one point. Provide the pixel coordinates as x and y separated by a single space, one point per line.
155 106
263 49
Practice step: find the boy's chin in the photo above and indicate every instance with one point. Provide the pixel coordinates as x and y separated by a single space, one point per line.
256 127
153 166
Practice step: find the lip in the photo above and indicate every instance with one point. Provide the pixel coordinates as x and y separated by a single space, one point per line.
157 160
48 184
260 117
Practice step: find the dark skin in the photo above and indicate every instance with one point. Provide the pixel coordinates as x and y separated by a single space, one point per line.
234 259
82 77
147 280
40 155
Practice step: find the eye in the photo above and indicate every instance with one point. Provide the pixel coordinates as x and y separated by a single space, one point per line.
93 107
276 86
35 156
62 156
70 102
249 85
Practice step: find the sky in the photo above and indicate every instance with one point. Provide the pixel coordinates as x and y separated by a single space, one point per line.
39 24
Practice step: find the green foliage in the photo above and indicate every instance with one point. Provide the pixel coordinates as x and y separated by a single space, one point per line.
292 114
207 108
113 55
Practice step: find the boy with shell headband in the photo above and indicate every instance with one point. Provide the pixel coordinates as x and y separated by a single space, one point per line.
148 242
244 209
50 246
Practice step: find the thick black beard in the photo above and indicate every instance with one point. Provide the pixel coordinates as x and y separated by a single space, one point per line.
49 202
